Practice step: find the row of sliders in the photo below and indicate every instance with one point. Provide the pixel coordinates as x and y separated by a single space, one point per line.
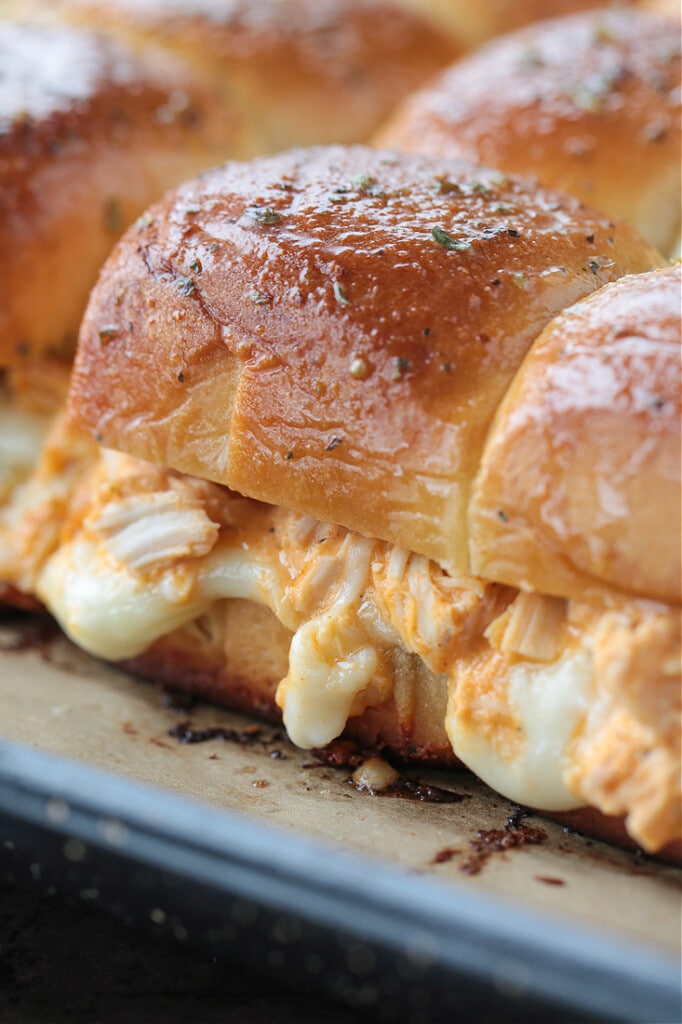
361 434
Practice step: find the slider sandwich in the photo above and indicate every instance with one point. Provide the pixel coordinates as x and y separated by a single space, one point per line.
90 135
353 466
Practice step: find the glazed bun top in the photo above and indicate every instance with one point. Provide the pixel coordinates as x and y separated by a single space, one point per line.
333 329
580 478
477 22
664 8
589 104
296 71
89 137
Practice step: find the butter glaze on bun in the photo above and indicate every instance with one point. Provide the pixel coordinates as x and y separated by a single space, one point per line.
89 137
589 104
295 71
475 23
332 330
664 8
582 466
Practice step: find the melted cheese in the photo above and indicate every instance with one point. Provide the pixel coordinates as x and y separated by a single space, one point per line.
330 660
108 610
547 704
120 584
146 557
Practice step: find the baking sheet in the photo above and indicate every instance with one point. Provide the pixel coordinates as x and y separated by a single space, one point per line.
58 700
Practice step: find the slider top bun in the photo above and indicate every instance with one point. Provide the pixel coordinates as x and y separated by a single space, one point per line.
477 22
589 104
665 8
582 466
332 330
298 71
89 136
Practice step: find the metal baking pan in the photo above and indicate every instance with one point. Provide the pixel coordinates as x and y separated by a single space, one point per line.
407 946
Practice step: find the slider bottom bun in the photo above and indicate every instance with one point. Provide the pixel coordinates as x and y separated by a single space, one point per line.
557 704
13 598
237 653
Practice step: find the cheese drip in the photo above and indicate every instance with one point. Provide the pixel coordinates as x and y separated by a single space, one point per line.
546 704
330 660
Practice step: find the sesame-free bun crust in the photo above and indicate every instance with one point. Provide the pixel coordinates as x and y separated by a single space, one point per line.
477 22
588 103
89 136
295 71
664 8
332 330
580 478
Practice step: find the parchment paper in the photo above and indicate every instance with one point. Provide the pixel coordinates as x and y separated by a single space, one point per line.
55 698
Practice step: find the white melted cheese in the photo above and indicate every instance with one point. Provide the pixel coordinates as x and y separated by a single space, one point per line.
548 702
330 660
115 613
21 437
107 610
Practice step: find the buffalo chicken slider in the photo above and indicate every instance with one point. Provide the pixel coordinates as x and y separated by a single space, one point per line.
343 477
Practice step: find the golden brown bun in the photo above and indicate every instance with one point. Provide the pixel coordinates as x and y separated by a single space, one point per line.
88 138
235 655
664 8
297 71
477 22
589 104
332 330
37 386
580 478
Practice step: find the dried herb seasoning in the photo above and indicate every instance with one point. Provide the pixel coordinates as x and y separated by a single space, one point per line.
340 295
113 215
264 215
447 241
